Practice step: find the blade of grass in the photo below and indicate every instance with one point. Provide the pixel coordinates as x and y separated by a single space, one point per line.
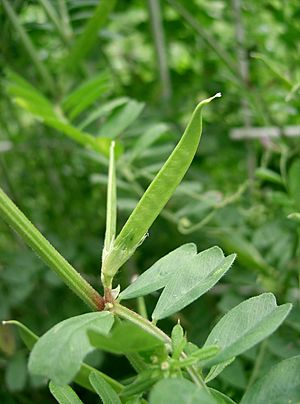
87 39
31 235
54 17
28 45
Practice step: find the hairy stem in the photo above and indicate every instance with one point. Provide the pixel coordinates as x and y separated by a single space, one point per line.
31 235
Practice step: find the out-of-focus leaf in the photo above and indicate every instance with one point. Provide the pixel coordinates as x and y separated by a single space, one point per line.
30 99
146 140
85 95
266 174
16 372
121 119
59 353
87 39
102 110
281 384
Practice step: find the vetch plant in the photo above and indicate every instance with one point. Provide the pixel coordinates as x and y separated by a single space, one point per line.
168 368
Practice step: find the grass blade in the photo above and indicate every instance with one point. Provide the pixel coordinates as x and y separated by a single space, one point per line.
87 39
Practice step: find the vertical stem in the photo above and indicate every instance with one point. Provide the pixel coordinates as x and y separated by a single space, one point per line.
243 68
142 307
31 235
28 45
111 214
258 362
160 48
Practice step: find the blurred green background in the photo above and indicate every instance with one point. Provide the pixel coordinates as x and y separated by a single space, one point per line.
76 72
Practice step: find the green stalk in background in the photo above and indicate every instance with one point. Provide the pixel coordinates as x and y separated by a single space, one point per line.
28 45
155 197
85 42
31 235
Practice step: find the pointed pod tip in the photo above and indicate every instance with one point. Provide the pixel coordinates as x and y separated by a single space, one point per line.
208 100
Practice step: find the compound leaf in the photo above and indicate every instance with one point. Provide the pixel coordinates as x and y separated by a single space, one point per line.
185 276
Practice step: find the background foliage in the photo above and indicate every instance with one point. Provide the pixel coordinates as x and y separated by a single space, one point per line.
74 71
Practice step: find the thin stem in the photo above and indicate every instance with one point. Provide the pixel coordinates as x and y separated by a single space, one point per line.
160 47
258 362
54 17
149 327
31 235
28 45
142 307
111 215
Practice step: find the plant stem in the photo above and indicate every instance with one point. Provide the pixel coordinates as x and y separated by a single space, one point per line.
258 362
160 47
31 235
28 45
149 327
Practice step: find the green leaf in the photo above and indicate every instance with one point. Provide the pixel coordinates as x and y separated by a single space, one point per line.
31 235
220 397
82 377
30 99
145 141
100 145
179 391
102 110
157 194
279 385
217 369
185 275
104 390
124 338
266 174
88 37
59 353
64 394
85 95
245 326
178 341
121 119
141 383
